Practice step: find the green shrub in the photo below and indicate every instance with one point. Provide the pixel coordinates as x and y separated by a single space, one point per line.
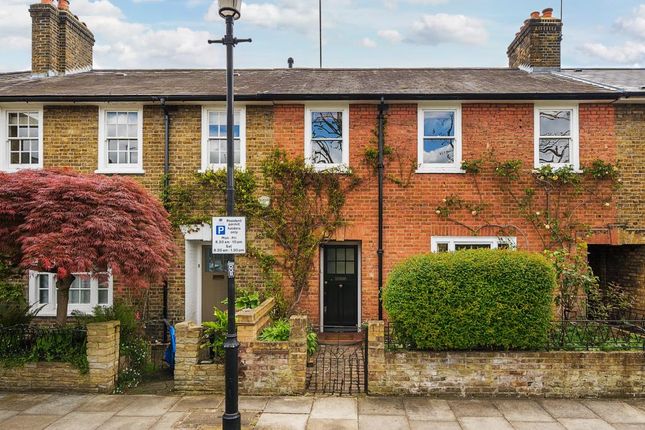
279 331
477 299
215 333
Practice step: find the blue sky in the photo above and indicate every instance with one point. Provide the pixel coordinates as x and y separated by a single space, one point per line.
357 33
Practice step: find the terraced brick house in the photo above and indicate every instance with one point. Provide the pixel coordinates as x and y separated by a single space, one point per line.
113 122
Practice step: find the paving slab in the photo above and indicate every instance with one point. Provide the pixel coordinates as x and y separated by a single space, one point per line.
58 404
167 421
282 422
434 425
80 421
252 403
527 425
201 417
381 406
148 406
323 424
390 422
105 403
562 408
21 401
421 408
335 408
289 405
639 403
484 423
616 411
585 424
629 426
474 408
6 414
28 422
188 403
523 410
128 423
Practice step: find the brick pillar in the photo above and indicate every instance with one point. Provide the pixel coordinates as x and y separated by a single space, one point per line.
298 353
103 354
376 356
188 340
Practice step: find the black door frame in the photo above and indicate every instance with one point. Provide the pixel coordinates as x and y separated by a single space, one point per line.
321 274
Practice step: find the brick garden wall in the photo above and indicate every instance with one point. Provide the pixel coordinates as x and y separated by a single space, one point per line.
103 358
535 374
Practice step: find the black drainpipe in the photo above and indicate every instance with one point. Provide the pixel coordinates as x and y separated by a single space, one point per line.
166 184
381 137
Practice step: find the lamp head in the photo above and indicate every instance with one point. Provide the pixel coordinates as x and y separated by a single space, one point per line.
228 8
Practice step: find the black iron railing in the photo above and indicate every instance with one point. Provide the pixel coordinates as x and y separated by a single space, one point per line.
19 344
573 335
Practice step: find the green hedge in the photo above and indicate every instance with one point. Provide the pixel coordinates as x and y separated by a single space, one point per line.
478 299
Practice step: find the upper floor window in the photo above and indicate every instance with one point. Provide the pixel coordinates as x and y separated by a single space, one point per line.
556 136
120 140
458 243
439 138
86 292
327 136
214 132
24 139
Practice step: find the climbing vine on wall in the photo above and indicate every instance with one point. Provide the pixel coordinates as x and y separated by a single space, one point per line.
305 208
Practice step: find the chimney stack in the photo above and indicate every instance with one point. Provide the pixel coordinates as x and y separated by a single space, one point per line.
537 45
60 42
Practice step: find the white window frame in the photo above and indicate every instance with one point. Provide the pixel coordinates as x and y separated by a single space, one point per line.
104 166
337 107
50 308
5 153
206 165
452 241
574 148
454 167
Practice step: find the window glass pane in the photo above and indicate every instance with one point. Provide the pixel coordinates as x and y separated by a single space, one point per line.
349 254
103 296
85 297
460 246
442 247
122 117
132 118
33 118
555 123
349 267
554 150
340 254
327 125
13 118
43 281
74 296
15 158
111 117
13 131
439 123
438 150
43 297
331 267
327 151
23 119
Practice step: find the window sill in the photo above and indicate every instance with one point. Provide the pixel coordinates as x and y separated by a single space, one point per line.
333 168
137 171
217 167
556 167
17 168
434 170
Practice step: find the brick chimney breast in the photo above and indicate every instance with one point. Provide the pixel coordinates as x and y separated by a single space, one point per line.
537 45
61 43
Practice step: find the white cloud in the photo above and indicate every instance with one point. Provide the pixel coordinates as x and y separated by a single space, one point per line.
629 53
634 24
120 43
366 42
445 28
391 35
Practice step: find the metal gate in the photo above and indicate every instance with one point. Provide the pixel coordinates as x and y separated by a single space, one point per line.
339 366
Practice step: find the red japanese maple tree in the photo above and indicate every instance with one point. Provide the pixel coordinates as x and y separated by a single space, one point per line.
65 222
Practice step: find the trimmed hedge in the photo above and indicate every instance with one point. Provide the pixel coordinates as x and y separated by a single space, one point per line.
476 299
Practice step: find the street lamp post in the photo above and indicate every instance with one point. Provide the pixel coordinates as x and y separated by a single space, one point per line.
230 11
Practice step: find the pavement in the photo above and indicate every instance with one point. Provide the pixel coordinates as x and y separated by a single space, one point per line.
35 411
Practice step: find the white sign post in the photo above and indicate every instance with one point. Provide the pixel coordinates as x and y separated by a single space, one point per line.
229 235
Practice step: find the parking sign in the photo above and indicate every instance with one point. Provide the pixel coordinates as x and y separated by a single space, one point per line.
229 235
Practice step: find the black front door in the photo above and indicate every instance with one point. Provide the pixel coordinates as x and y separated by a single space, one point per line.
340 291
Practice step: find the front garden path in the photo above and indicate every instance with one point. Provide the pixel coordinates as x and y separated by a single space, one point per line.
34 411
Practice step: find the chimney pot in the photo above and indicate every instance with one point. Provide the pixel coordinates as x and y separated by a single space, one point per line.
63 4
535 15
547 13
290 62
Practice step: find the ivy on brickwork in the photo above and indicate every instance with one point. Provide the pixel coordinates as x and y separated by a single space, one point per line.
399 167
305 209
550 201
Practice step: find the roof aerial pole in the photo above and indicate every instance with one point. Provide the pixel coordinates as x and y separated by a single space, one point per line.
320 29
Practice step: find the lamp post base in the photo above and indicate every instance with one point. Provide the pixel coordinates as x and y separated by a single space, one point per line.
232 421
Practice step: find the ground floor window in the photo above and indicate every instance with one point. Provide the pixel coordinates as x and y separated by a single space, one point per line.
457 243
86 292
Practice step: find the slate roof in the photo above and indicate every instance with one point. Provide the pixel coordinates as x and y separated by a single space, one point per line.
628 80
300 84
